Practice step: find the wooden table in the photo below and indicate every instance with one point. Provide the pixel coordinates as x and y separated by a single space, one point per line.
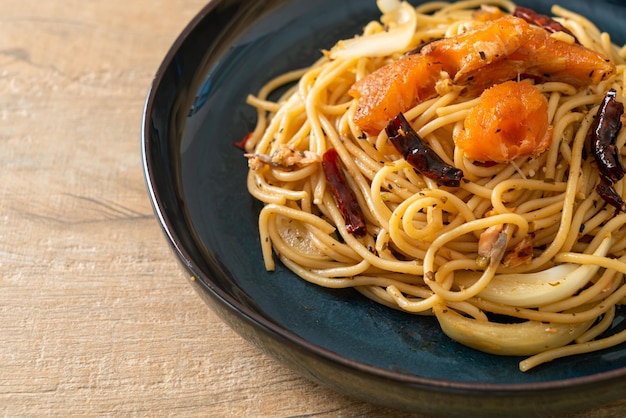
96 317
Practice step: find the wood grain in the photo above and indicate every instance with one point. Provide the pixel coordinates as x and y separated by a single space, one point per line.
96 318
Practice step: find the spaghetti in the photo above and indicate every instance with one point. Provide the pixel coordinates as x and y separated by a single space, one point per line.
531 238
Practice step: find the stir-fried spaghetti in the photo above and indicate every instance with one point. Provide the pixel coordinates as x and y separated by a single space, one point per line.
460 160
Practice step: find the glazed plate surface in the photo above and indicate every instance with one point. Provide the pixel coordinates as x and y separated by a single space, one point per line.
196 177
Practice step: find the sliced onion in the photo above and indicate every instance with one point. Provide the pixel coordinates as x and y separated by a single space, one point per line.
388 6
519 339
537 289
399 17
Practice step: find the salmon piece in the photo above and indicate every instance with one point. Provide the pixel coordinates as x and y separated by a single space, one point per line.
510 121
507 48
495 73
549 59
472 50
543 58
392 89
512 54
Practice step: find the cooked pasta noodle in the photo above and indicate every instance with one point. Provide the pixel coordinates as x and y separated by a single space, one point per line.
560 272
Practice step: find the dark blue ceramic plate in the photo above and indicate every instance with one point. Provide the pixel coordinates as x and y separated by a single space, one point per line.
194 113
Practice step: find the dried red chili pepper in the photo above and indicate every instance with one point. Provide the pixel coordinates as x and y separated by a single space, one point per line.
344 196
417 153
610 196
541 20
601 141
602 136
242 143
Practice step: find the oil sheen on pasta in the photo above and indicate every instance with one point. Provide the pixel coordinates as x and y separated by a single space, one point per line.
530 230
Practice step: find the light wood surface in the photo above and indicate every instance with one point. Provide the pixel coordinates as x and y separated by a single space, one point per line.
96 317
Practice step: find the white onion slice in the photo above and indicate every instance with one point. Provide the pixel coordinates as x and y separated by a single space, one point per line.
399 17
387 6
519 339
537 289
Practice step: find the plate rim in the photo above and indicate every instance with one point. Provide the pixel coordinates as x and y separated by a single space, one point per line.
272 329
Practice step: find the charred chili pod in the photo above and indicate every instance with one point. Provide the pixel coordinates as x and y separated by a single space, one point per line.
417 153
603 134
610 196
541 20
345 198
601 140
